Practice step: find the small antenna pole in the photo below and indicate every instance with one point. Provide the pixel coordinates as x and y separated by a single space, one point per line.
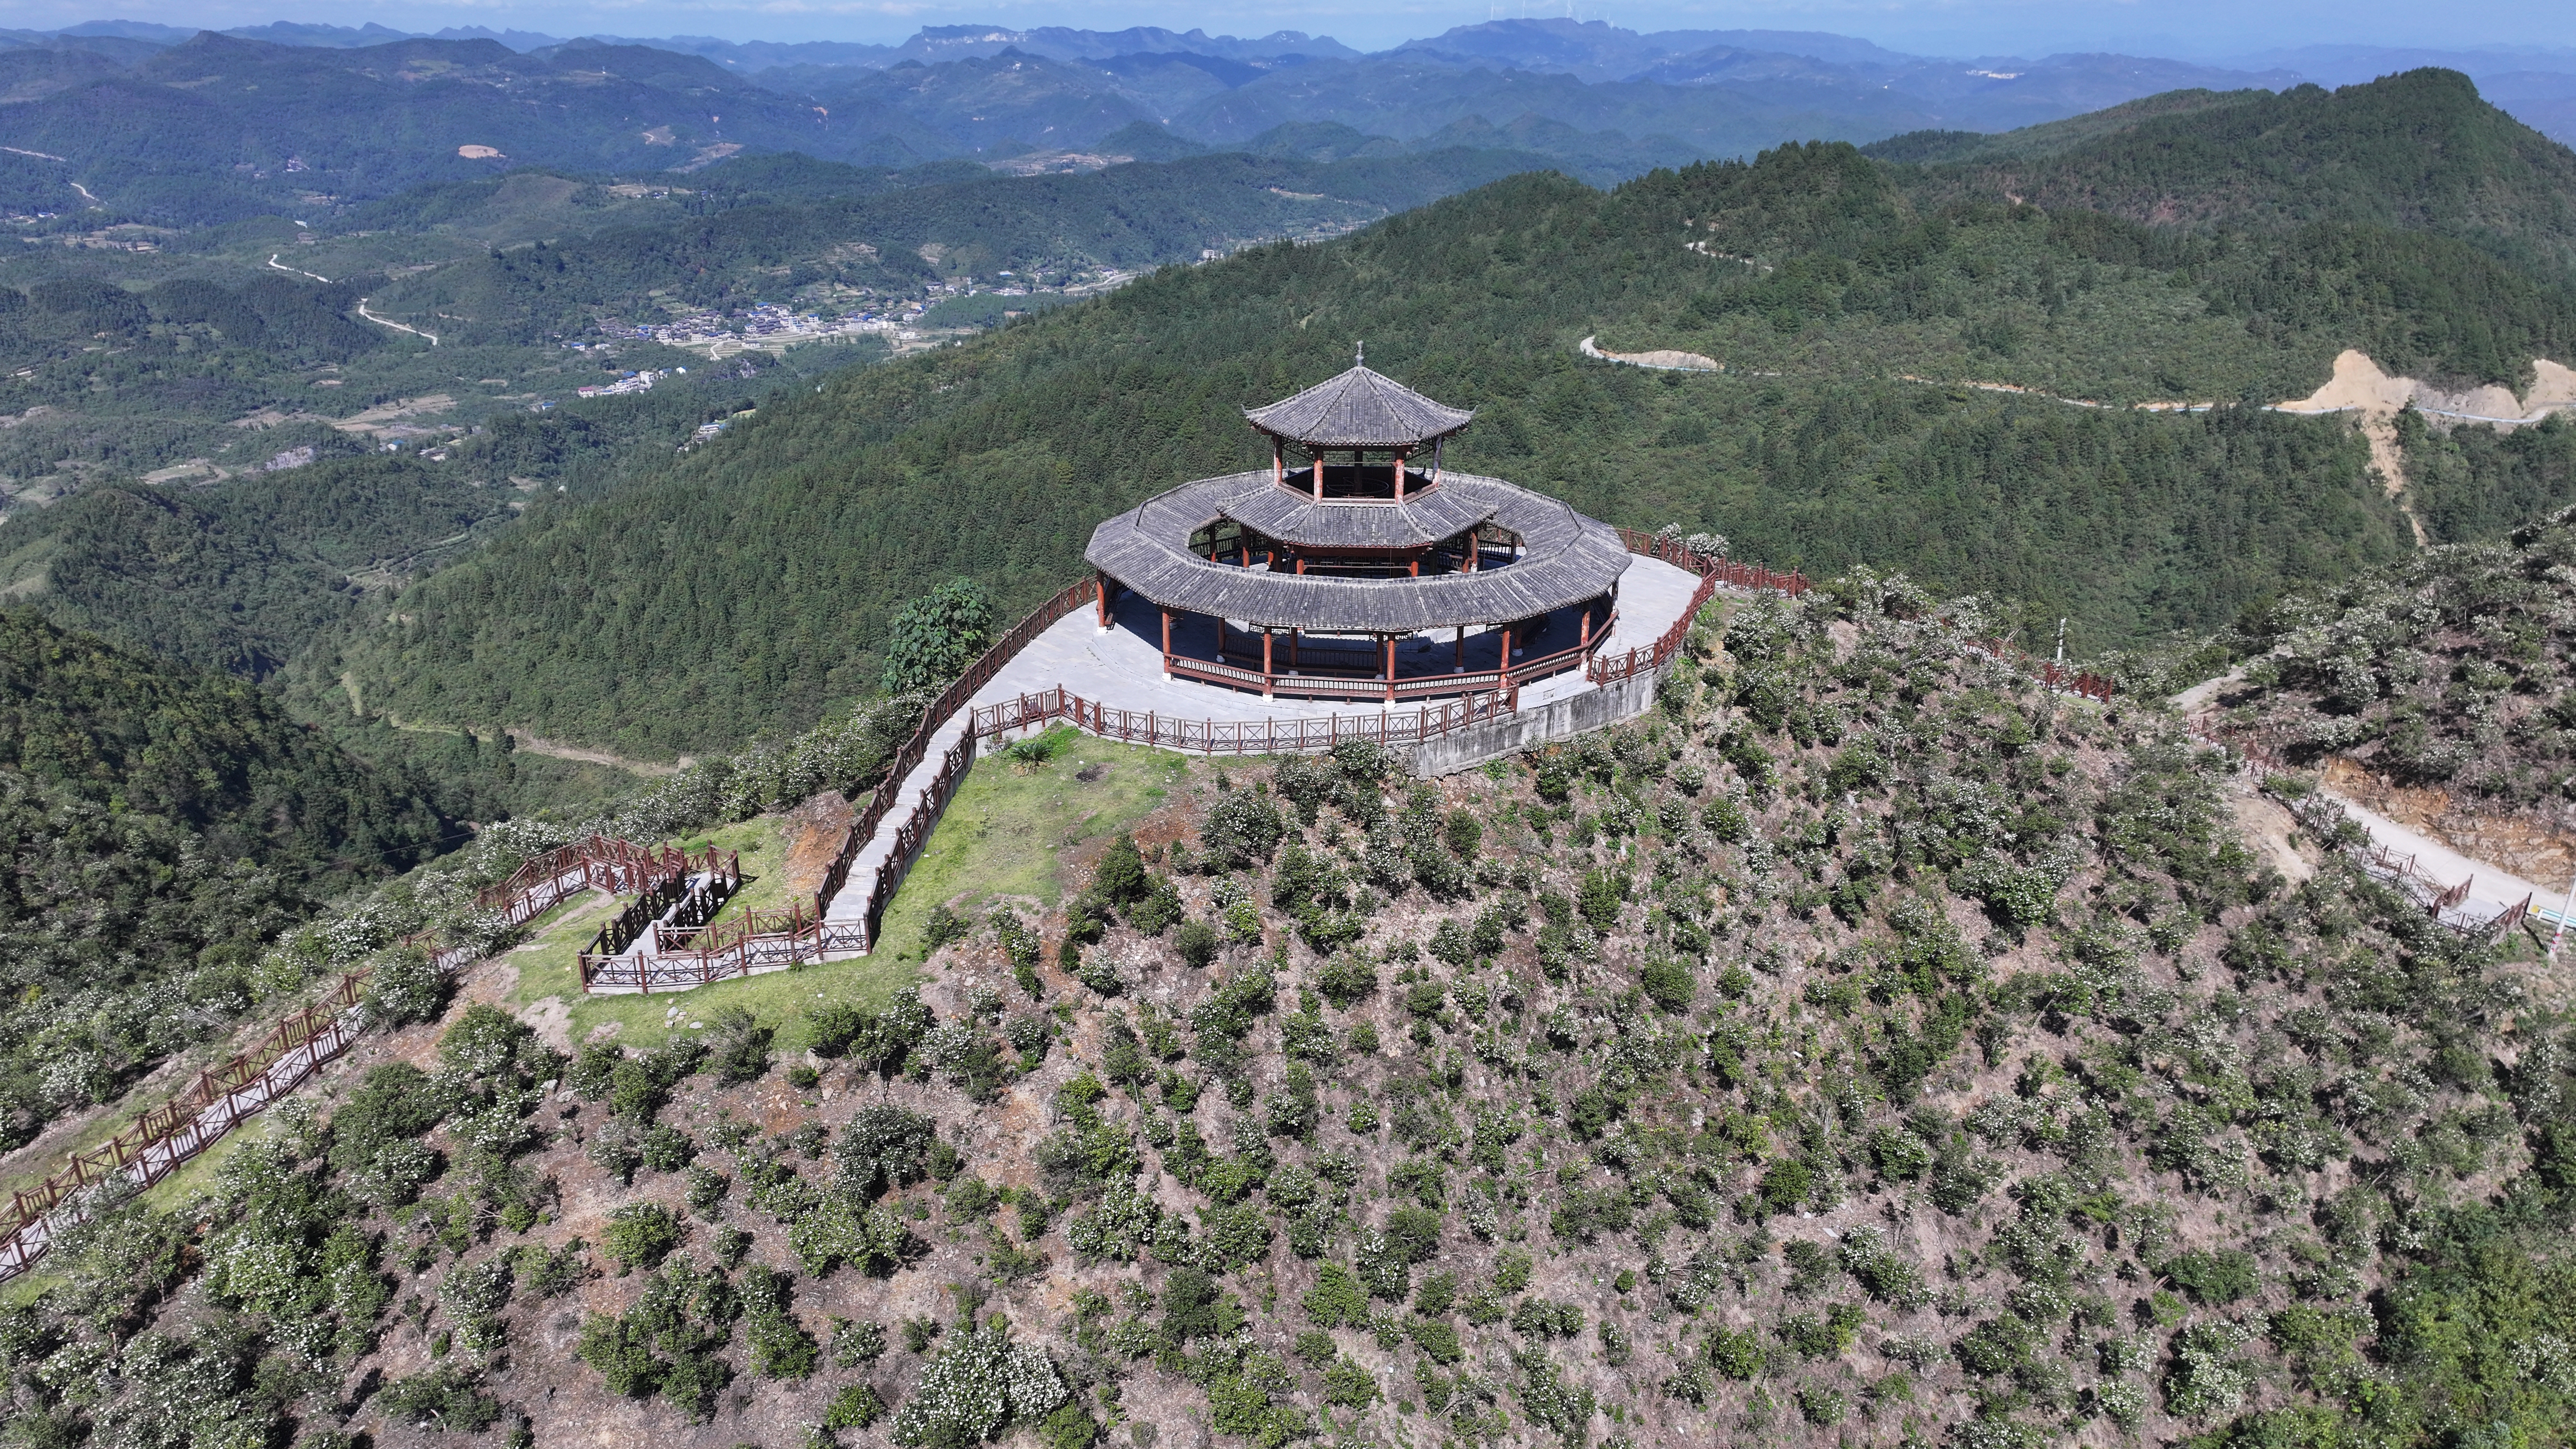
1359 358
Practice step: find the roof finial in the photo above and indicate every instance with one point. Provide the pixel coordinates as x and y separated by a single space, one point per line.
1360 359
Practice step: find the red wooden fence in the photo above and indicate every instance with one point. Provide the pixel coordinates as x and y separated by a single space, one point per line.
164 1138
155 1144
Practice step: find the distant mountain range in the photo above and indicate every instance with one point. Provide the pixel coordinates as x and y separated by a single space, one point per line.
155 124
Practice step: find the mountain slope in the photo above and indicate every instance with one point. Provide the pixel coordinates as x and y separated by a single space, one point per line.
1129 217
1869 1038
1823 279
2418 151
157 827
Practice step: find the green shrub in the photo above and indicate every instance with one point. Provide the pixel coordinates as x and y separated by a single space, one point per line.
640 1235
935 637
1242 831
854 1407
1336 1300
1737 1355
1669 983
2223 1275
1437 1339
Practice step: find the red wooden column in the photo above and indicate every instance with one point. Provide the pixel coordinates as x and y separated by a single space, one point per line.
1108 586
1167 643
1587 626
1267 678
1399 475
1294 635
1507 656
1319 475
1461 661
1279 462
1390 668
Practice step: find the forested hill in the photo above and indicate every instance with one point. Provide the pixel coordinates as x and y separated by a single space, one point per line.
158 828
742 586
211 754
2419 151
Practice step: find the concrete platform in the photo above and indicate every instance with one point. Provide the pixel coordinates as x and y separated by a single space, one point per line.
1123 665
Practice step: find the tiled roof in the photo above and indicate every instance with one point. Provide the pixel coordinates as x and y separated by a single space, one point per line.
1567 558
1359 409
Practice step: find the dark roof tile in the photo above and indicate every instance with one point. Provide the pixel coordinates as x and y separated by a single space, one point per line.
1359 409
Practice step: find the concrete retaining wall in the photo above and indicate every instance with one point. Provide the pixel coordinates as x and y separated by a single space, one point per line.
1530 728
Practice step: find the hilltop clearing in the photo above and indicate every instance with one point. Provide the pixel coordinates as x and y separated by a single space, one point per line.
1865 1041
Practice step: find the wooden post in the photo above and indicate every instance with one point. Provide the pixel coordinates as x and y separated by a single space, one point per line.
1587 626
1462 651
1167 643
1507 656
1278 462
1399 475
1294 635
1415 563
1319 475
1266 678
1390 668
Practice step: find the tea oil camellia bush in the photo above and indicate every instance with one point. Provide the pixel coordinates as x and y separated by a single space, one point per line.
1780 1126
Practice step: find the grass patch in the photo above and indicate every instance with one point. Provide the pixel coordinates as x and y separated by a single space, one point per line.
549 962
763 848
779 1000
1005 832
198 1173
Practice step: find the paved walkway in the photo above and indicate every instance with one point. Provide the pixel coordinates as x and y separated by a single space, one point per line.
1123 667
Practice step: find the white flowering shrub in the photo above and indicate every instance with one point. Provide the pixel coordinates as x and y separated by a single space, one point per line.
2206 1378
981 1383
1119 1228
472 1298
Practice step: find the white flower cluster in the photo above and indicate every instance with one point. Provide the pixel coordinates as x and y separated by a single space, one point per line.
842 755
980 1384
1119 1229
472 1298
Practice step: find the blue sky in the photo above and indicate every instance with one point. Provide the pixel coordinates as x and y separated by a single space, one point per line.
2189 28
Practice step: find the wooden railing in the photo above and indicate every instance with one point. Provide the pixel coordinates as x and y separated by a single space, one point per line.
156 1143
2262 763
1236 737
666 883
838 937
756 941
164 1138
594 862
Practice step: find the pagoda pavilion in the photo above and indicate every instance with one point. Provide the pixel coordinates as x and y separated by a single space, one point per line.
1356 566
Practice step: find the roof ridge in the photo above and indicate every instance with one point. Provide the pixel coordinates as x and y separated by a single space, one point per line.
1358 408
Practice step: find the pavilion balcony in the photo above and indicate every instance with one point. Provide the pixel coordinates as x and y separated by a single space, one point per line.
1213 651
